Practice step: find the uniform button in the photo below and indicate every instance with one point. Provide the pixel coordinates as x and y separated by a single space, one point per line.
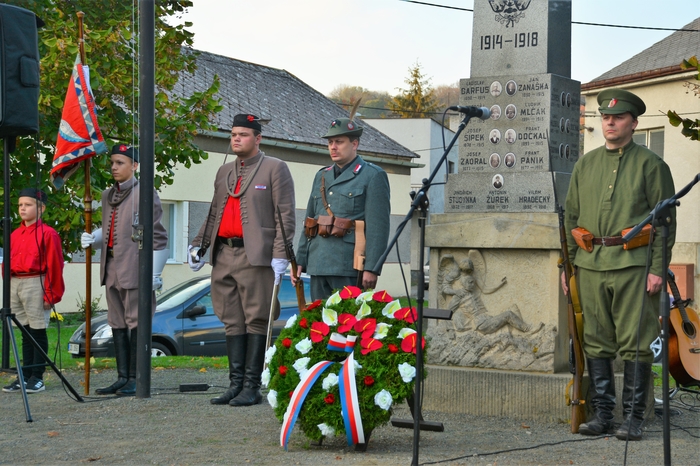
610 187
614 171
331 193
349 194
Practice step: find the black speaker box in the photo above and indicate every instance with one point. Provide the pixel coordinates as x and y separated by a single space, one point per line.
19 71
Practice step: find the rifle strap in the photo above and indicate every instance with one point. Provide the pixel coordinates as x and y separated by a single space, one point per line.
323 195
360 245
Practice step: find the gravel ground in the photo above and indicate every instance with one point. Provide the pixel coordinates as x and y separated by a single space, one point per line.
184 428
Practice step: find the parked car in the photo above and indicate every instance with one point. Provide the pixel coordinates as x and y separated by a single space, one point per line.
184 322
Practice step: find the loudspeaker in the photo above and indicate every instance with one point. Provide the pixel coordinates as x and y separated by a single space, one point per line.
19 71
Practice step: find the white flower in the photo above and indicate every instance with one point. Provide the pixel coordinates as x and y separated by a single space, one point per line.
326 430
381 331
301 366
304 346
383 399
330 317
404 332
269 353
357 365
334 299
407 371
390 308
272 398
364 311
265 377
366 296
291 321
330 381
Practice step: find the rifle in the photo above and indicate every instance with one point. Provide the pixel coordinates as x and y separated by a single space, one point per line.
576 360
289 248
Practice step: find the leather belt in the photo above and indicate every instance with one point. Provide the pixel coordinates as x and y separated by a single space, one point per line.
608 241
27 274
231 242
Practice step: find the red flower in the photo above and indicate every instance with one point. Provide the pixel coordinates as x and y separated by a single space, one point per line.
408 314
329 399
409 343
250 118
393 348
291 393
350 292
303 323
366 327
369 345
283 370
382 297
346 322
318 331
286 342
369 381
313 305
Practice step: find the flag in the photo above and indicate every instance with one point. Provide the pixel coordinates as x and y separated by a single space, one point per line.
79 137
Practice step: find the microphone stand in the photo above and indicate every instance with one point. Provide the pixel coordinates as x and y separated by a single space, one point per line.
420 203
661 215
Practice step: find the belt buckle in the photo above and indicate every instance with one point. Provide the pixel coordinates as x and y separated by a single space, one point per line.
229 241
602 241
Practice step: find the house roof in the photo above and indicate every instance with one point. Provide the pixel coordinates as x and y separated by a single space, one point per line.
662 58
297 112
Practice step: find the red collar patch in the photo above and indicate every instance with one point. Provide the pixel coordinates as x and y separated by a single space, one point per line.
358 167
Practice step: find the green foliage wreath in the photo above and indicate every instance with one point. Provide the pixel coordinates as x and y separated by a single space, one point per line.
384 353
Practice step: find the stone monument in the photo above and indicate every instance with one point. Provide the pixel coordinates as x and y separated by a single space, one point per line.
496 247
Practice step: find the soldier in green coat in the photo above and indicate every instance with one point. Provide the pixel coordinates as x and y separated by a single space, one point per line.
612 188
350 189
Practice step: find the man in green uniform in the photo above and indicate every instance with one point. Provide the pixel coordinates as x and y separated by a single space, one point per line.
350 189
612 188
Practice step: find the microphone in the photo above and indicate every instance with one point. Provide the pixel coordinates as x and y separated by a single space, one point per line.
479 112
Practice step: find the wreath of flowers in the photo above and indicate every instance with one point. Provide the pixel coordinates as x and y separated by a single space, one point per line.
384 354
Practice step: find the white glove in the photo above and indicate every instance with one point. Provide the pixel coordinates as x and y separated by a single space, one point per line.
157 282
195 266
88 239
279 266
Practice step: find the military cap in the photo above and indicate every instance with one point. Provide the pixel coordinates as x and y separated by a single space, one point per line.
617 101
343 127
246 120
129 151
34 194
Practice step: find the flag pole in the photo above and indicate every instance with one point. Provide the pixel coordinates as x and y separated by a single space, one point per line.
87 205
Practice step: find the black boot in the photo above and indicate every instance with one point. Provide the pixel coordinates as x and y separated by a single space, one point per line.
236 347
42 339
254 361
129 388
634 399
602 382
120 337
27 354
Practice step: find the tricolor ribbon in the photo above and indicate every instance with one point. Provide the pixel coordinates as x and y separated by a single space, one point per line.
338 342
349 402
298 397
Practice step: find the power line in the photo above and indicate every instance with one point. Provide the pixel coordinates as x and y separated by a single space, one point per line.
573 22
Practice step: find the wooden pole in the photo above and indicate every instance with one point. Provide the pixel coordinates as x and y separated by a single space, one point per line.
87 205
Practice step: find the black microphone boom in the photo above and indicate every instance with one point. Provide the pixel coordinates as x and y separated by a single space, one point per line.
479 112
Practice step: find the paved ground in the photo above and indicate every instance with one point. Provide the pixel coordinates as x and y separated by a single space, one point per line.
184 428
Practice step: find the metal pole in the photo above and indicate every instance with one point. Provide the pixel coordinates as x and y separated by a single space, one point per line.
6 230
146 149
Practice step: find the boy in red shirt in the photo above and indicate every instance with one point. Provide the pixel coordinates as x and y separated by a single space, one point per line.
36 284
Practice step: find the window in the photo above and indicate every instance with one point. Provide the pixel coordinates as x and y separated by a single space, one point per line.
651 138
168 222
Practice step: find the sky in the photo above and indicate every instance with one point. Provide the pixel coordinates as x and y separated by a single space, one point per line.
373 43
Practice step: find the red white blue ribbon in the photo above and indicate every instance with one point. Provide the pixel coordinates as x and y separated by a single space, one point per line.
338 342
298 397
349 402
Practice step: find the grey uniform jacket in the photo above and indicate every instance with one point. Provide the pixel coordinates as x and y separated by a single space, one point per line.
126 251
271 187
361 192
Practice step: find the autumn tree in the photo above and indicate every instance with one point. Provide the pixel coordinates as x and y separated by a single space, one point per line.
447 95
418 100
374 104
111 45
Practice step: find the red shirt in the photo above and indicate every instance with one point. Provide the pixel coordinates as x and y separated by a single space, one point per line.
36 249
231 226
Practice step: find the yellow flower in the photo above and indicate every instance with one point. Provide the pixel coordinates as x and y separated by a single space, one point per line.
55 315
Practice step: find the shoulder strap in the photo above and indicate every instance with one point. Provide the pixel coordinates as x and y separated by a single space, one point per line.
323 195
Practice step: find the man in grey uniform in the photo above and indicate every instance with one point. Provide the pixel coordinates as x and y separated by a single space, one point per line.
349 190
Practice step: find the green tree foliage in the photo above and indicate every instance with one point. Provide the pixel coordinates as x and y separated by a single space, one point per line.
111 45
690 128
374 104
418 101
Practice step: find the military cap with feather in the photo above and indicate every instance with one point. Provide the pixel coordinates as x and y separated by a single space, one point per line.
345 126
